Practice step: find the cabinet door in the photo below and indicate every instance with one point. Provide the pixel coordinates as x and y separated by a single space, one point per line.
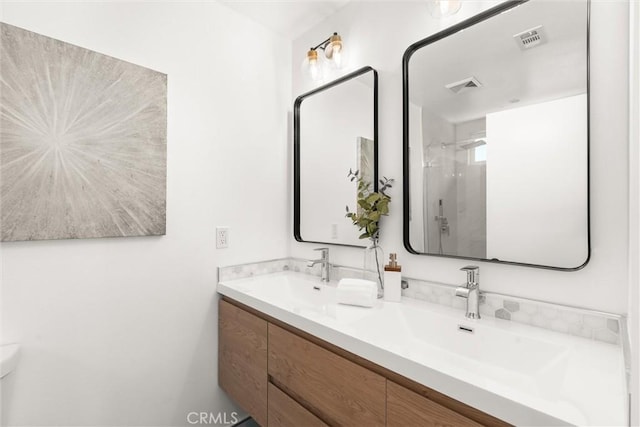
339 391
286 412
406 408
242 359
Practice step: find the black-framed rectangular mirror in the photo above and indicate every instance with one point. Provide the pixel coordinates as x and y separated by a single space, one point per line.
496 137
335 129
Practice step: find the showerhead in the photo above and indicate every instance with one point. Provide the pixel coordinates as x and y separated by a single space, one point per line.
473 144
438 144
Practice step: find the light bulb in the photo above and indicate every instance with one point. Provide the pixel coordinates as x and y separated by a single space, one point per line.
335 52
444 8
312 66
337 60
314 70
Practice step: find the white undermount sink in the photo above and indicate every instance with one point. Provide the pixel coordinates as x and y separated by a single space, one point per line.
9 355
457 341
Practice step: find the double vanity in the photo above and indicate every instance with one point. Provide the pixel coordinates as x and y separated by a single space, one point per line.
290 355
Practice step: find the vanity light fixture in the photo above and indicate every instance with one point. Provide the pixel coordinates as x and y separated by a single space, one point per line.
333 49
444 8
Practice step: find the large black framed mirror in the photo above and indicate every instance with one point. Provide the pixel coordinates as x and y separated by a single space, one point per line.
335 129
496 137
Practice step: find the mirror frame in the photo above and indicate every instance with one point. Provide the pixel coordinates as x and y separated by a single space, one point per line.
296 146
483 16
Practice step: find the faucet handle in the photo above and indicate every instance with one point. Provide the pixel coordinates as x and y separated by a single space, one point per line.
473 274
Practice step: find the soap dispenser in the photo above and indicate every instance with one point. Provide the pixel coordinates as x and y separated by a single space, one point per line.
392 280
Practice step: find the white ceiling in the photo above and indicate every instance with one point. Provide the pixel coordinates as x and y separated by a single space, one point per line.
287 18
488 52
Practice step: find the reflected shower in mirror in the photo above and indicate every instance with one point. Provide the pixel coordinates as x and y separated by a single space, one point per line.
496 137
335 130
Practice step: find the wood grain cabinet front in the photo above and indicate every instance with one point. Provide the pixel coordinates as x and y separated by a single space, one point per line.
407 408
284 377
335 389
242 359
286 412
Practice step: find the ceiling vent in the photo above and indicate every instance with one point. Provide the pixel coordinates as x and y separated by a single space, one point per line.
531 38
464 85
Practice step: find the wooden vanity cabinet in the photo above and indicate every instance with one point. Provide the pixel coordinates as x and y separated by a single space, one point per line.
286 412
284 377
407 408
337 390
242 359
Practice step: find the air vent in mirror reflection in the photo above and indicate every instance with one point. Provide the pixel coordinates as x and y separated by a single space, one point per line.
531 38
464 85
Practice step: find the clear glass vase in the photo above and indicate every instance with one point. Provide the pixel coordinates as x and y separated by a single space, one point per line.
374 265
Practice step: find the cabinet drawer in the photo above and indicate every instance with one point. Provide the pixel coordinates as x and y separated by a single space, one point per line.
286 412
242 359
339 391
406 408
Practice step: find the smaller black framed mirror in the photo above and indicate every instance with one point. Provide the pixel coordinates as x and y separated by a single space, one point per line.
335 129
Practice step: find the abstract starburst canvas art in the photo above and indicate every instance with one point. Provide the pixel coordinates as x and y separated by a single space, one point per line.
82 142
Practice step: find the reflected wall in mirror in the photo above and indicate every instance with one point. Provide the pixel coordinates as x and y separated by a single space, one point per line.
496 137
335 130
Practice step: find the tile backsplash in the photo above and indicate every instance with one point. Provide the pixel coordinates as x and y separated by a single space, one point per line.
594 325
242 271
569 320
297 265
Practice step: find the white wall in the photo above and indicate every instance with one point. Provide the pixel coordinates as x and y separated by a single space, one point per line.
123 331
378 33
634 211
536 191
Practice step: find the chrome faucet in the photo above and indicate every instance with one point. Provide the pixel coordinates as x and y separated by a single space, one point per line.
471 291
324 260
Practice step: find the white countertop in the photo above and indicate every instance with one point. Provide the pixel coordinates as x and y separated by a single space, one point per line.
518 373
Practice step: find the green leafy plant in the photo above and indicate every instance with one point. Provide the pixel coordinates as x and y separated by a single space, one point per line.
372 205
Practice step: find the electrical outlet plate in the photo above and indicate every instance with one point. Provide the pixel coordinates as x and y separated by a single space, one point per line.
222 237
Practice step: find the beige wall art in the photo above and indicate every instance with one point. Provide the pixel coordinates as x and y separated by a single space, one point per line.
83 142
